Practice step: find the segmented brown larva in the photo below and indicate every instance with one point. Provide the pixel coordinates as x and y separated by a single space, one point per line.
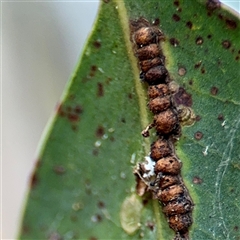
167 184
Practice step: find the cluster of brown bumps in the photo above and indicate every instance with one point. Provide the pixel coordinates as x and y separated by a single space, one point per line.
165 182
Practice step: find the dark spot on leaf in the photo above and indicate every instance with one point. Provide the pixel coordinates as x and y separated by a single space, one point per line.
130 96
213 5
220 117
108 80
182 71
123 120
97 218
145 202
190 82
203 70
100 90
156 22
214 91
93 70
69 108
174 42
197 180
237 58
100 131
183 97
150 225
233 50
78 109
198 118
197 65
226 44
199 40
231 23
189 24
236 228
95 152
176 3
97 44
59 169
101 204
238 51
34 180
60 110
209 36
175 17
198 135
73 117
93 238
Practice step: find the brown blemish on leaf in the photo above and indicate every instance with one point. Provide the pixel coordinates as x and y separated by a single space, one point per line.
73 117
106 1
236 228
190 82
108 80
203 70
220 117
59 169
174 42
100 90
78 109
95 152
231 24
123 120
93 70
112 139
97 44
175 17
197 180
34 180
25 229
209 36
101 204
237 58
212 5
150 225
198 135
130 96
94 238
199 40
189 24
198 64
74 218
176 3
198 118
156 22
182 71
182 97
100 131
226 44
214 91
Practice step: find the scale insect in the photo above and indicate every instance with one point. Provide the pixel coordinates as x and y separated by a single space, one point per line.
166 183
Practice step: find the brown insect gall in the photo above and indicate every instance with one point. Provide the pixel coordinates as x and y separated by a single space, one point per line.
170 165
168 180
159 149
148 52
159 90
166 122
171 193
155 75
180 222
159 104
147 35
179 206
145 65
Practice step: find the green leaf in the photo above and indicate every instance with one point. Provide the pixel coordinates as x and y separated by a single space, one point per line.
83 186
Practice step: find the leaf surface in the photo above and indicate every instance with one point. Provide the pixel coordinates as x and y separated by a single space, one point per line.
83 186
